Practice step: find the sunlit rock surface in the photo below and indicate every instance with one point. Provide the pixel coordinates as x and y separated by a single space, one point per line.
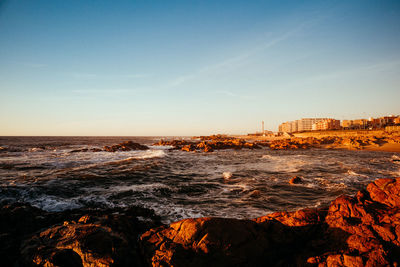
363 230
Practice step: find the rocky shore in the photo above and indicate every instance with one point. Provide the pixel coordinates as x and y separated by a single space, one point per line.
352 142
360 230
209 144
217 142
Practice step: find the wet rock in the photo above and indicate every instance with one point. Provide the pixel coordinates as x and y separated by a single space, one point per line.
209 144
33 237
363 230
212 242
255 193
125 146
296 180
188 148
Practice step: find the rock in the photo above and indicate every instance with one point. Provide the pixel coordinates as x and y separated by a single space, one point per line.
85 244
209 144
255 193
212 242
360 230
188 148
125 146
33 237
363 230
296 180
227 175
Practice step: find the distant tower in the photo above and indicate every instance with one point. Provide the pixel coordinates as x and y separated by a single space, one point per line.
262 130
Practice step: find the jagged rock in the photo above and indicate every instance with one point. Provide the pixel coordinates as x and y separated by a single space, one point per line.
33 237
296 180
363 230
125 146
209 144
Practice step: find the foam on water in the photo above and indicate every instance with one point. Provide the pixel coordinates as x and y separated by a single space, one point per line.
227 175
227 183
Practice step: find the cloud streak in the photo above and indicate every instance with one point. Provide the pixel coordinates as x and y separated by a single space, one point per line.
238 60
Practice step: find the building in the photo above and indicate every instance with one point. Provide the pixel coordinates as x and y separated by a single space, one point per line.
355 124
305 124
327 124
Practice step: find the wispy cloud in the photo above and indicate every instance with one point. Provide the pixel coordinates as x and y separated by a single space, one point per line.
94 76
237 60
363 69
232 94
32 65
103 91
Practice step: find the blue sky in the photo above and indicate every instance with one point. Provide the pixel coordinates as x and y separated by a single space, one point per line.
193 67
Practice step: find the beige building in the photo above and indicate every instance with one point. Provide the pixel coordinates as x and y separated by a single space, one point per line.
305 124
327 124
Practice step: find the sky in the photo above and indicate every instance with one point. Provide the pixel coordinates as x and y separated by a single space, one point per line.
193 67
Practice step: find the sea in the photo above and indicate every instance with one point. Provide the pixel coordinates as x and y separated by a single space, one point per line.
46 173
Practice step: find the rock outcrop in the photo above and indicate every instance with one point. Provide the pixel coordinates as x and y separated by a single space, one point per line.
296 180
33 237
363 230
209 144
126 146
350 142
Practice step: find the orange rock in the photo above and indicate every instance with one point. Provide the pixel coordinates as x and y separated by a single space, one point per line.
353 231
296 180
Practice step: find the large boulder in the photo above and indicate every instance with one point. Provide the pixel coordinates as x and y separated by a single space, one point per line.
33 237
126 146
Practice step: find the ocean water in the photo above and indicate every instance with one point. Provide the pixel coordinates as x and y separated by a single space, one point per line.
244 183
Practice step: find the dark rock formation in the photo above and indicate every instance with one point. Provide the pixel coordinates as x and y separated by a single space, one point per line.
354 231
33 237
209 144
296 180
126 146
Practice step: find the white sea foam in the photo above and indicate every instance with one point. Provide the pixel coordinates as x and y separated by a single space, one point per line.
267 157
396 159
227 175
284 163
50 203
140 187
353 173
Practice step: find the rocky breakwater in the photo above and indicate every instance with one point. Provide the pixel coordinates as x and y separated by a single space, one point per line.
363 230
33 237
209 145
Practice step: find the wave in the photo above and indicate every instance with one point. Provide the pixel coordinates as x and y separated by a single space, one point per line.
353 173
227 175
